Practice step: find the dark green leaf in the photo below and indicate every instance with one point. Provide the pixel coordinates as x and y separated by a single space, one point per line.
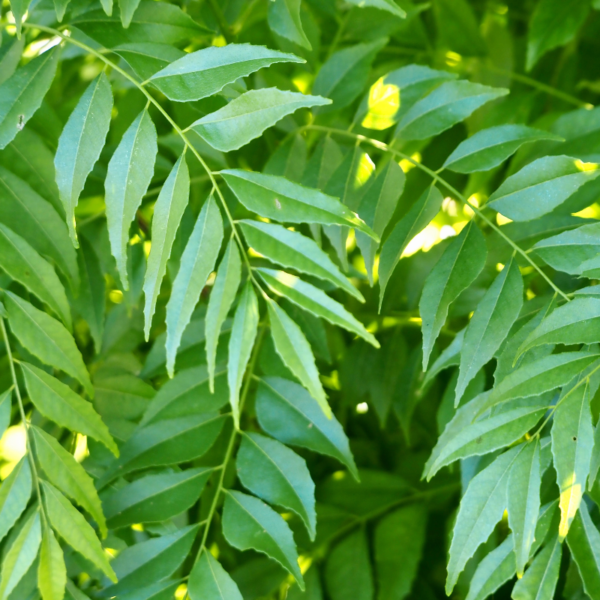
209 581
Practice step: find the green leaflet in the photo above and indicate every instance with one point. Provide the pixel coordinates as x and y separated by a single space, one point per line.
296 353
554 23
60 7
447 105
68 475
47 339
10 56
220 300
250 523
5 410
197 263
128 8
348 571
576 322
21 554
278 475
187 394
449 357
490 147
241 342
490 324
168 211
584 544
123 396
80 145
282 200
459 28
130 171
152 560
209 581
480 509
459 266
52 572
416 219
207 71
572 443
155 497
524 501
399 541
284 19
387 5
61 404
377 208
568 250
14 495
541 186
19 260
312 299
493 571
289 413
22 94
344 75
313 590
541 577
247 116
34 219
294 250
74 593
289 159
147 58
166 443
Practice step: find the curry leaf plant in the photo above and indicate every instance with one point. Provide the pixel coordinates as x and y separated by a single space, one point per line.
299 300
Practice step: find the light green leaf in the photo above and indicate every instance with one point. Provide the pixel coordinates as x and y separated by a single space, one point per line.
278 475
449 357
284 19
155 497
168 211
490 324
21 262
572 443
10 56
21 554
209 581
541 186
80 145
130 171
541 577
494 570
122 396
68 475
481 508
197 263
34 219
167 442
248 523
416 219
14 495
282 200
490 147
147 58
294 250
348 572
459 266
524 501
52 572
187 393
387 5
289 413
540 376
241 342
399 541
247 116
47 339
128 8
569 249
447 105
61 404
60 6
152 560
22 94
344 75
296 353
584 544
220 300
208 71
5 410
107 5
554 23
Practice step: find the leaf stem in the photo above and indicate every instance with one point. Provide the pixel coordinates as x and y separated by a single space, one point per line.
386 148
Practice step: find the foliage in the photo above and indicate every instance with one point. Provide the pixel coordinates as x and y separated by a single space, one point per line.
298 299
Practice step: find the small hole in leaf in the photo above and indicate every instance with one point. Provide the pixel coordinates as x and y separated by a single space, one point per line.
574 438
21 122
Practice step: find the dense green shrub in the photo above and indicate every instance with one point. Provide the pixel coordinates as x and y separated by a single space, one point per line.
297 299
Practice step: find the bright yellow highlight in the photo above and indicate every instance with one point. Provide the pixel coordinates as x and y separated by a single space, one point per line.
219 41
13 447
589 212
365 169
570 499
115 296
384 103
81 448
586 166
502 220
407 165
453 58
303 81
181 592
